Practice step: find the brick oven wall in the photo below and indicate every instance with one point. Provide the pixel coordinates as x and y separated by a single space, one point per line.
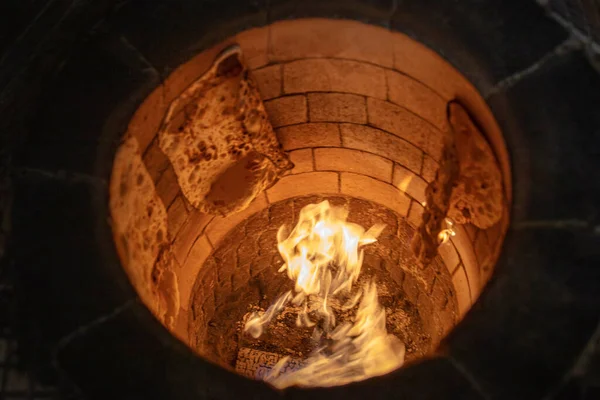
242 273
360 110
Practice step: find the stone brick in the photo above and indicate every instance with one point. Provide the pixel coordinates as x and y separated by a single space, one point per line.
461 286
257 223
415 213
418 98
446 320
440 293
426 66
467 255
167 186
220 226
336 159
428 275
302 159
268 80
430 167
372 261
449 256
241 277
309 135
445 310
282 212
434 143
399 121
367 213
267 242
207 279
176 216
329 75
286 110
425 307
472 231
396 271
191 229
199 252
146 121
304 184
261 263
483 250
226 258
248 250
310 38
373 190
336 107
253 43
382 143
410 183
156 161
411 288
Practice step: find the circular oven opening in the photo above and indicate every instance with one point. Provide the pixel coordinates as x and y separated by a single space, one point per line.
243 137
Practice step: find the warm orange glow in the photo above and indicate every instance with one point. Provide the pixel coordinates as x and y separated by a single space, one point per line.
447 232
323 256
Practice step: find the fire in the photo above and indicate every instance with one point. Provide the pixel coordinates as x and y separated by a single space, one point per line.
447 232
323 256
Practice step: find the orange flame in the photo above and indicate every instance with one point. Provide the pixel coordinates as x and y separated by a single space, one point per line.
323 256
447 232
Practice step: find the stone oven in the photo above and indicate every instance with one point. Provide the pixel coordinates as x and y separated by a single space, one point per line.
160 146
367 119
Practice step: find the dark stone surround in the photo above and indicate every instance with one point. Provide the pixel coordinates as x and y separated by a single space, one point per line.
530 335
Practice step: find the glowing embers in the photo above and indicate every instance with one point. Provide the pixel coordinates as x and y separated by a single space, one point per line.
323 256
447 232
